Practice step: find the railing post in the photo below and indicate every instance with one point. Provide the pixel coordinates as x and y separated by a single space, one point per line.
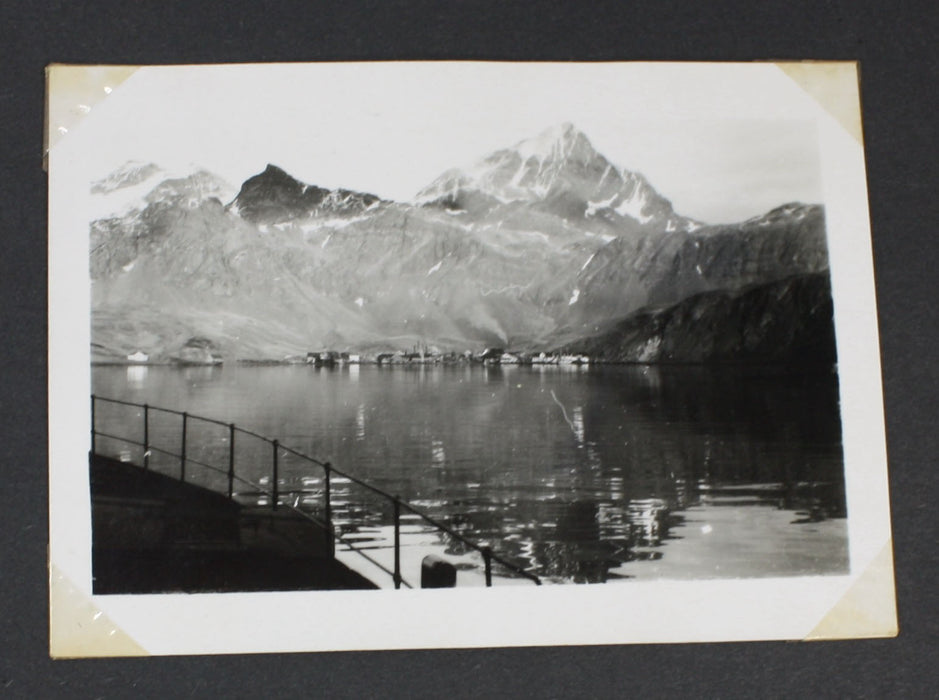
182 451
231 460
487 558
93 433
330 542
397 575
146 436
274 495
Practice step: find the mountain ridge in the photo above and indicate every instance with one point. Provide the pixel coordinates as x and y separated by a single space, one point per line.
545 242
274 196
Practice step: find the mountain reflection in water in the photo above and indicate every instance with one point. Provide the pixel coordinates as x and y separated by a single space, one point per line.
578 474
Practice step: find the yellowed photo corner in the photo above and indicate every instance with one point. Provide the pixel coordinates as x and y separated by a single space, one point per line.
868 608
77 628
834 86
72 92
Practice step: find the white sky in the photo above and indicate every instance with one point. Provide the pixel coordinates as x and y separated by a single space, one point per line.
723 145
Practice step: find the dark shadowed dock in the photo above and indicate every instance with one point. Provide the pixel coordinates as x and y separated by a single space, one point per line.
155 534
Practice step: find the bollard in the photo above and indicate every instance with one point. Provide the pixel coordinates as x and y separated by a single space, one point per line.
437 572
487 558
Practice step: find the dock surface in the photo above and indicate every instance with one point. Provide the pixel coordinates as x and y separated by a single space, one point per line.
155 534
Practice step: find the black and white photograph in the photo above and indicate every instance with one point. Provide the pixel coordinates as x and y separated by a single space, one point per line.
455 344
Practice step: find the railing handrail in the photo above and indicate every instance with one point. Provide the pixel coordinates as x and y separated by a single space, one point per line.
486 552
258 489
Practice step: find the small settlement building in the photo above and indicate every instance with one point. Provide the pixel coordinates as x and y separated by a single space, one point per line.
491 356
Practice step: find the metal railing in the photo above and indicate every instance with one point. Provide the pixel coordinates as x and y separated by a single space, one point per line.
275 494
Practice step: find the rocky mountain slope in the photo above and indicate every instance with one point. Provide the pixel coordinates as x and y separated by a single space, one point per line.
788 321
534 246
665 267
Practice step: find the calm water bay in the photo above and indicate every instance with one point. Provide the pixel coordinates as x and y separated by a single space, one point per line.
577 474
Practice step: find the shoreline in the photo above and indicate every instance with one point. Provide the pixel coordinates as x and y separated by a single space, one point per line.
786 368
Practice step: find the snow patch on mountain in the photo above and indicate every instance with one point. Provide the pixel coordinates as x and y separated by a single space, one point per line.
593 207
634 207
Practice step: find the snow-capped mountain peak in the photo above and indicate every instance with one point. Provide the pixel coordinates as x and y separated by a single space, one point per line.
560 142
130 174
136 185
526 171
560 171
